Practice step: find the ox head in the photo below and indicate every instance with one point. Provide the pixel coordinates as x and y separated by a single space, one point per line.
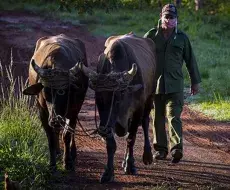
55 88
112 91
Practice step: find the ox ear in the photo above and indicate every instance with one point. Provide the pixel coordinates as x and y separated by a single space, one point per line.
135 88
33 89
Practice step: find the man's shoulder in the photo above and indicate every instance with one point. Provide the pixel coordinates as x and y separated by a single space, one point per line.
150 33
182 33
153 30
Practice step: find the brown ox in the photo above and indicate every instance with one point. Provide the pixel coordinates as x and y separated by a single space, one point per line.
124 98
60 88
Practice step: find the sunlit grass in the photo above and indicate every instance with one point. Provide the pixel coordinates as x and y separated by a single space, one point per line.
23 147
218 110
23 143
121 22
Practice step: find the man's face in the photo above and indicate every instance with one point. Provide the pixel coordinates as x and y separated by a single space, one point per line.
168 21
168 16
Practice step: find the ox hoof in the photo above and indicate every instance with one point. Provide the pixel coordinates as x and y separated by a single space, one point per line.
120 131
59 156
130 170
69 167
107 176
147 157
123 164
52 168
129 166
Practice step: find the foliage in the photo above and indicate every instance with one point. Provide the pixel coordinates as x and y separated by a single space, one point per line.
89 6
23 153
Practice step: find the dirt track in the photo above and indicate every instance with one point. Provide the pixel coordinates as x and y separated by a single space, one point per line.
206 159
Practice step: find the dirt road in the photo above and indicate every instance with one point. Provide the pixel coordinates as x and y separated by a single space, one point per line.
206 161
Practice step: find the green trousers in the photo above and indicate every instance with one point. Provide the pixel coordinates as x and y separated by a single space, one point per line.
168 107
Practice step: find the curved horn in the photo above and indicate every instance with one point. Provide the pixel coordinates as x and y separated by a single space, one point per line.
133 70
76 68
87 71
37 69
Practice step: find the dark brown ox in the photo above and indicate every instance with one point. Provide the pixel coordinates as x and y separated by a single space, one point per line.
60 88
124 98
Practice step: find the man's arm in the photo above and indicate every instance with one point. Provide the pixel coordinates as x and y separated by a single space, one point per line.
192 67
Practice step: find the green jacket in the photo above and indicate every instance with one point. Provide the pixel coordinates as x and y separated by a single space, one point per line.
171 54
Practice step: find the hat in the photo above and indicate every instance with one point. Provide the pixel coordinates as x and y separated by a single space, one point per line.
169 9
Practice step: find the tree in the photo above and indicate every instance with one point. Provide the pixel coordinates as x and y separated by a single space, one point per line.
198 4
159 3
177 3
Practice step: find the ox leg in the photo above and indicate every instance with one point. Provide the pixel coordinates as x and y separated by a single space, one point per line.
52 139
58 150
128 163
108 175
73 150
69 148
147 155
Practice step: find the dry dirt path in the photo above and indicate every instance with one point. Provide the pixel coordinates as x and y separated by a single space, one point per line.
206 161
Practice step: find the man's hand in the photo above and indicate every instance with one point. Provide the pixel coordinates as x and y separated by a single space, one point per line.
195 89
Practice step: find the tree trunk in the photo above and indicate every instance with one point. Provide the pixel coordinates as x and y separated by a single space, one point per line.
177 3
159 3
140 4
198 4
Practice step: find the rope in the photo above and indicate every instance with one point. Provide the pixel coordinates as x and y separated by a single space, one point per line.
66 127
86 131
59 80
110 82
104 131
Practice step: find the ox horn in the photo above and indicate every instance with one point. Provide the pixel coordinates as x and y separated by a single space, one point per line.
133 70
87 71
39 70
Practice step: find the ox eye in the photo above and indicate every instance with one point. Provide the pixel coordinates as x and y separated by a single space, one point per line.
61 92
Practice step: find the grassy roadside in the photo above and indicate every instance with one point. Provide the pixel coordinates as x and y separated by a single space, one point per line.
23 147
209 35
23 143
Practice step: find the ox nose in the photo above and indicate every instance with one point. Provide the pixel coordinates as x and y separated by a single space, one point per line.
105 131
120 130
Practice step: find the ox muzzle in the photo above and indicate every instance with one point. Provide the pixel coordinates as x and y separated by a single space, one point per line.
113 81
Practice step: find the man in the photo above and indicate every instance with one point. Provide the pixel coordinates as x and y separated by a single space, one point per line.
172 48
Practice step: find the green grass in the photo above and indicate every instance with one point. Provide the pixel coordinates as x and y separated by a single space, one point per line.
120 22
32 6
217 110
23 143
23 147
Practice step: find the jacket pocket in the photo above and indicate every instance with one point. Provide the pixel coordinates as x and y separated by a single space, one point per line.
176 74
177 48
